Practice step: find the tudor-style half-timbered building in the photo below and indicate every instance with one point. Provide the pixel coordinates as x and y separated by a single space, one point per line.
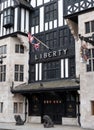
80 19
52 88
43 81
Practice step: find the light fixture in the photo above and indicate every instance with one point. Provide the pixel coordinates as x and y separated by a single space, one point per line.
1 59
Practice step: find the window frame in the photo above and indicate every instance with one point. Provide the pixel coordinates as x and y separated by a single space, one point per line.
8 14
51 12
89 26
2 73
92 26
50 69
90 65
35 18
19 73
3 49
1 107
51 39
19 48
92 108
18 107
72 67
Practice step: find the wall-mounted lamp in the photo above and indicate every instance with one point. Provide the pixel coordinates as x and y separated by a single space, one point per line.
1 59
89 39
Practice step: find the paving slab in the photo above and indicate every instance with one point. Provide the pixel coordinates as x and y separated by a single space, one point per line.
29 126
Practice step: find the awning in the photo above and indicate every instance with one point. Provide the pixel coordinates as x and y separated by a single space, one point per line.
69 84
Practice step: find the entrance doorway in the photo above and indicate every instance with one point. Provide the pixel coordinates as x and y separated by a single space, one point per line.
60 104
53 106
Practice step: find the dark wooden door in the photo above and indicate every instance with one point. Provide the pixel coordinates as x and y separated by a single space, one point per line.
54 107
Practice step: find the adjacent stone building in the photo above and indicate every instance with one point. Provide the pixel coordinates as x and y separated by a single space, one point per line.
79 15
55 79
14 56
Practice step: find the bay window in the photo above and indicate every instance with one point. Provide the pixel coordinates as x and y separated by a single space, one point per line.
8 17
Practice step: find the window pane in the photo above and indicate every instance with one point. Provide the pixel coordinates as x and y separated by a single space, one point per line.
93 64
47 8
16 67
92 26
93 53
50 12
21 68
8 17
8 12
21 49
5 13
51 70
11 19
87 27
15 108
19 72
51 7
0 49
72 71
55 5
89 53
2 73
89 66
55 14
1 107
35 18
65 40
61 42
4 50
17 48
92 107
16 76
21 77
3 77
20 107
65 32
12 12
5 20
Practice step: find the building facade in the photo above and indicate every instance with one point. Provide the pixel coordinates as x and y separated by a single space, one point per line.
79 15
14 56
44 81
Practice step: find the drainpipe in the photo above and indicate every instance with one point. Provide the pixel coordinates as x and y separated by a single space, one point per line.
79 111
25 110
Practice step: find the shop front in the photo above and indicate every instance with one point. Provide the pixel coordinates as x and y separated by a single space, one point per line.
57 99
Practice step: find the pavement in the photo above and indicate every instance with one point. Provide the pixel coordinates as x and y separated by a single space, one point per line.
29 126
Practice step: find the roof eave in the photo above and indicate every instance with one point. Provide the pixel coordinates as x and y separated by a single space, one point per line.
74 88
